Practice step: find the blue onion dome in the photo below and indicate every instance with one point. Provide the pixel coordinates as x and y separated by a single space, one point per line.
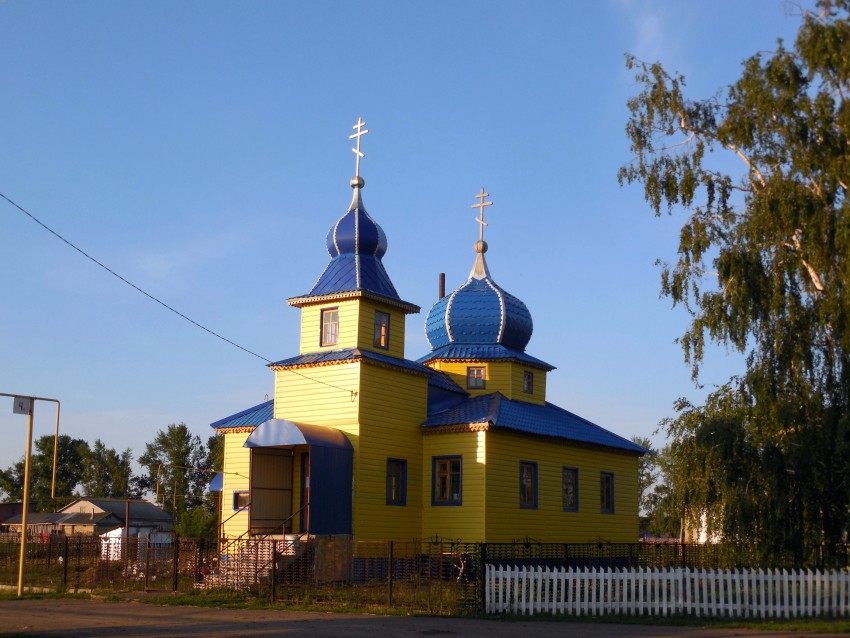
356 232
356 244
479 313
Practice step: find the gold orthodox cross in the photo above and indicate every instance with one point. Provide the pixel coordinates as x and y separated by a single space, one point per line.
480 206
360 131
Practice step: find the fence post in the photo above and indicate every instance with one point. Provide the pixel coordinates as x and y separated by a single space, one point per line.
390 578
274 569
65 564
482 576
148 563
176 563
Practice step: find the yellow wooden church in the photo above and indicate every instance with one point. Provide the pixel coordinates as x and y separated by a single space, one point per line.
459 444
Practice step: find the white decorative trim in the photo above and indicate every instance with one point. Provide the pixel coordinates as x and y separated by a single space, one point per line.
502 311
448 311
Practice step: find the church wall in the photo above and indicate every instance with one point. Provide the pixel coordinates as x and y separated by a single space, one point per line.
319 396
366 337
500 376
311 325
466 521
517 379
507 521
237 466
392 406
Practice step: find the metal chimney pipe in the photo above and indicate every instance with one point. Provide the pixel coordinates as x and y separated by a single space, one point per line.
442 285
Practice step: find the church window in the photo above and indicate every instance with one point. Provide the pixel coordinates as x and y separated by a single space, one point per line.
476 377
241 500
330 327
382 330
569 489
528 382
446 480
528 485
606 486
396 482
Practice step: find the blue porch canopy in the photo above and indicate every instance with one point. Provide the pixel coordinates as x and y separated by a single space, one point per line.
217 484
277 432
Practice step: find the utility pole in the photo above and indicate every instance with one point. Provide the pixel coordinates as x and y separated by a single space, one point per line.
26 405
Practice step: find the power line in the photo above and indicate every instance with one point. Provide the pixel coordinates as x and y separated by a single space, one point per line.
129 283
159 301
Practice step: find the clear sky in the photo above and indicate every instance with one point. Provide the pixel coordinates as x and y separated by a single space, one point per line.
200 149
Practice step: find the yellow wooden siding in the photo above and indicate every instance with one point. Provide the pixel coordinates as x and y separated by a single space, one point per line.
518 382
466 521
237 466
507 521
311 325
392 407
320 395
366 337
500 376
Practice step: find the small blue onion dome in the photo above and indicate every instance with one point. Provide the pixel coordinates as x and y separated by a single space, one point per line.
479 312
356 232
356 244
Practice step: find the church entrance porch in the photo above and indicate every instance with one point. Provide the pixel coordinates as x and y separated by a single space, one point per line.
316 458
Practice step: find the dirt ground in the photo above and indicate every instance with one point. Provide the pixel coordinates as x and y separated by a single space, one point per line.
71 618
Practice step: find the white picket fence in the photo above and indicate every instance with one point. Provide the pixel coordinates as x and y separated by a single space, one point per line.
664 592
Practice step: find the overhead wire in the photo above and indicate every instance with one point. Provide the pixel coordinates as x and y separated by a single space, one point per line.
159 301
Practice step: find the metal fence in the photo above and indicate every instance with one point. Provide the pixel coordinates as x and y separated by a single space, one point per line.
433 576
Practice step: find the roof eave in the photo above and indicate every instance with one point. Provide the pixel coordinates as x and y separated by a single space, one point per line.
308 300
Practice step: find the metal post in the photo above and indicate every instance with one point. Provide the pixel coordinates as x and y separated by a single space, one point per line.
390 578
274 570
175 574
148 553
65 564
26 498
482 575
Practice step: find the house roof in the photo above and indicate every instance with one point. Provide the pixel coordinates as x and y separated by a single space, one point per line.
548 420
98 519
142 513
251 417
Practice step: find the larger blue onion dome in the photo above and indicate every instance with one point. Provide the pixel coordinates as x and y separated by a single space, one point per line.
480 312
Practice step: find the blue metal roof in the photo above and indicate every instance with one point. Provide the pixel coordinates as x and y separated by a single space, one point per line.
487 352
435 377
252 416
349 272
277 432
542 420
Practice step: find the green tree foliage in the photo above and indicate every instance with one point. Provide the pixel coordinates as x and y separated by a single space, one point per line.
178 470
762 171
69 472
647 472
107 474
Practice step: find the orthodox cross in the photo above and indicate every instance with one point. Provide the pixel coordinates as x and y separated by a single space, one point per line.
480 206
360 131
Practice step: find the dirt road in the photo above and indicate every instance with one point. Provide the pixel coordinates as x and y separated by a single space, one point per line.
68 618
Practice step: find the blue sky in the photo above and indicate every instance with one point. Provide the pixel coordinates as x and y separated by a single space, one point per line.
200 149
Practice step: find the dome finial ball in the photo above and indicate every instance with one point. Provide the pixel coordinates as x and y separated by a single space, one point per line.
481 246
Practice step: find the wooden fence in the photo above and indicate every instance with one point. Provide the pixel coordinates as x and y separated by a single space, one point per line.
667 591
